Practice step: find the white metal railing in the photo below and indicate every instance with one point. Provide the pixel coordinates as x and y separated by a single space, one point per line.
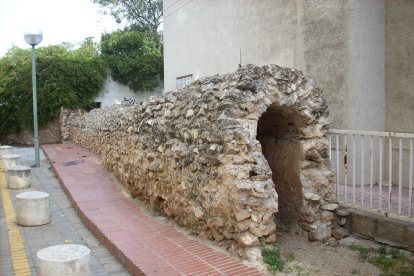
363 161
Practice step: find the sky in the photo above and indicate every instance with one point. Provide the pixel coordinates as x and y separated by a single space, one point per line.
59 20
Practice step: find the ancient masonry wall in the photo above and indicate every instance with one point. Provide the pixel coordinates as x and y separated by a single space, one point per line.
48 135
206 154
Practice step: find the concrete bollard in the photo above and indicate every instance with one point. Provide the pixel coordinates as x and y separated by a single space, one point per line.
32 208
5 150
19 177
64 259
10 161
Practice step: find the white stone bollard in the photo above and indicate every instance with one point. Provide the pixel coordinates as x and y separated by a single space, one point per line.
64 259
32 208
10 161
19 177
5 150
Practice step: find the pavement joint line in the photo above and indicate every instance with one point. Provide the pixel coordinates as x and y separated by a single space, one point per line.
18 254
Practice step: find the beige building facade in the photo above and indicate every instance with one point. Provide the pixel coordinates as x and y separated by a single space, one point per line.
360 52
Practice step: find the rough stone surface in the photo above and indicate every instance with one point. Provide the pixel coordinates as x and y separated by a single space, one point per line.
330 207
340 233
342 213
381 229
48 135
229 156
312 197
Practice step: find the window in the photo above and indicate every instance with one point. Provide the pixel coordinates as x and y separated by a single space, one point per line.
183 81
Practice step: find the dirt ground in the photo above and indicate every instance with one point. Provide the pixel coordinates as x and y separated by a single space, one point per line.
322 259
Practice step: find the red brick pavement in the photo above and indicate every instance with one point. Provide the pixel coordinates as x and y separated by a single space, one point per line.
142 244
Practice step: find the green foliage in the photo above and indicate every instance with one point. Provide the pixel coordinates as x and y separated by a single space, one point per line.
402 271
291 257
135 57
394 264
363 251
396 253
382 249
65 77
145 13
273 258
384 261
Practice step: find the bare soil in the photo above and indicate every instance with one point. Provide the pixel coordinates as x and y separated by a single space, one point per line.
322 259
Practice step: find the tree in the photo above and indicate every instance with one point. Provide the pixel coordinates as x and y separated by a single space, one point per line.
65 77
135 57
145 13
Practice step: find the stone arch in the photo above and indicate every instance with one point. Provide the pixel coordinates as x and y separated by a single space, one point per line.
291 130
201 154
278 133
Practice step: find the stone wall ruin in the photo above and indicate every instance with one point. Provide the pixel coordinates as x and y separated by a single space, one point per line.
229 156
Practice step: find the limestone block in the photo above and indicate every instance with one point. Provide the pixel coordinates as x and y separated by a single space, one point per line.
10 161
271 238
5 150
330 207
342 213
19 177
64 259
312 197
32 208
248 240
340 233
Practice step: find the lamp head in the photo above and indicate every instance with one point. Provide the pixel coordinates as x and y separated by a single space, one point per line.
33 36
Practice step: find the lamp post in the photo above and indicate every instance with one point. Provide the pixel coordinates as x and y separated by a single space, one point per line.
34 36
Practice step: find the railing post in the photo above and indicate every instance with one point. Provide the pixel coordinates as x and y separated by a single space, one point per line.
371 173
389 173
380 172
400 157
410 182
353 168
337 166
362 170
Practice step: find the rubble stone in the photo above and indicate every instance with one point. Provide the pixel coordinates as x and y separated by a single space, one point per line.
228 156
340 233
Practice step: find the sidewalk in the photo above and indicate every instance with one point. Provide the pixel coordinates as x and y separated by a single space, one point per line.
19 245
141 243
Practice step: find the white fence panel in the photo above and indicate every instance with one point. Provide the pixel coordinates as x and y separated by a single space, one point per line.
374 171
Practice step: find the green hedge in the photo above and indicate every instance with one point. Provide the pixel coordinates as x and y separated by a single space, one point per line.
135 57
65 77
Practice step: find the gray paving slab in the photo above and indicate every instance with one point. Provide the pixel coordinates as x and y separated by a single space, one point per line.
65 226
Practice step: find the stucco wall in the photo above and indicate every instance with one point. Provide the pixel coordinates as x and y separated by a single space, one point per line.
339 43
400 66
115 92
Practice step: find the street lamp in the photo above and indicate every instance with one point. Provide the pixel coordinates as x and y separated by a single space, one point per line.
34 36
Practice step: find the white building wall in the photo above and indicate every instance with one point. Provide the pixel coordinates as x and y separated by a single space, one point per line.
340 44
115 92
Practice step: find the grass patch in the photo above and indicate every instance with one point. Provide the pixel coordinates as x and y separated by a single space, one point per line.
291 257
363 251
273 257
391 262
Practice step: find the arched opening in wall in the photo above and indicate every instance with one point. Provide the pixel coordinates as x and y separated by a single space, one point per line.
278 134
